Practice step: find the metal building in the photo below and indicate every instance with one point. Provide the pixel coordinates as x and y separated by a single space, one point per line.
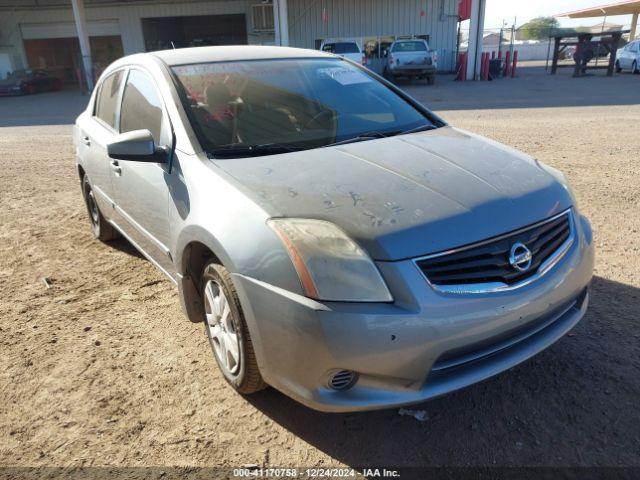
47 34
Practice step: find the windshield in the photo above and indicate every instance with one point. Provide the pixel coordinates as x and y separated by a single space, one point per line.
409 47
341 47
291 104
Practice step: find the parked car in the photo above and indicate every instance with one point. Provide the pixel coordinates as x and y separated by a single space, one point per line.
345 49
339 241
628 57
412 59
26 82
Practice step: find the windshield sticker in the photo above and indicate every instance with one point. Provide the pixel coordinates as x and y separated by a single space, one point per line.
345 76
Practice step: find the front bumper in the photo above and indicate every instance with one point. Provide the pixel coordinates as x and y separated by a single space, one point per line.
423 345
412 70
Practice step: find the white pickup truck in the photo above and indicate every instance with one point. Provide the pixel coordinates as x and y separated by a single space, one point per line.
345 48
412 59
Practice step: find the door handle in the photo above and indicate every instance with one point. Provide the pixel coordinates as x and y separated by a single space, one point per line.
115 166
86 141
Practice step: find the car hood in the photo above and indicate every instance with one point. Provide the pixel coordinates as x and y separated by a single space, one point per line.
408 195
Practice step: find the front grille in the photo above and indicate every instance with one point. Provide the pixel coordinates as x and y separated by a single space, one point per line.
488 261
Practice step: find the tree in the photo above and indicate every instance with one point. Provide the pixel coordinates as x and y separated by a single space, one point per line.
538 29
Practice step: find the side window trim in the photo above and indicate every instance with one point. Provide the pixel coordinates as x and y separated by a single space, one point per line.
125 79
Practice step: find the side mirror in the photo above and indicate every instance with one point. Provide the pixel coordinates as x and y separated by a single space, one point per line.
137 146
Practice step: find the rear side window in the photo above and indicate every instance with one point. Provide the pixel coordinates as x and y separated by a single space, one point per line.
409 47
141 106
341 47
108 98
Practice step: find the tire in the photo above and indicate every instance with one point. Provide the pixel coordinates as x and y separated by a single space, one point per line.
618 67
431 79
634 68
228 331
102 229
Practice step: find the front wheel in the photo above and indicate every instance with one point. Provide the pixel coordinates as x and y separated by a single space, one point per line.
634 68
431 79
618 67
227 331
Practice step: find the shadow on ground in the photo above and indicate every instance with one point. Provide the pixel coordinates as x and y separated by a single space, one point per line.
123 245
573 405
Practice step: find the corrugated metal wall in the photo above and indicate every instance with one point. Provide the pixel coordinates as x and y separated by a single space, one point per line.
344 18
311 20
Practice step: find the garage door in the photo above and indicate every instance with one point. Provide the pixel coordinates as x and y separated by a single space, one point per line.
61 56
163 33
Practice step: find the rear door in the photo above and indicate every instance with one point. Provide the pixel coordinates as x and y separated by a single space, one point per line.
95 132
626 59
141 188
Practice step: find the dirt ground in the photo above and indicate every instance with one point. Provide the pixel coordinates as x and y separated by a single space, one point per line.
103 369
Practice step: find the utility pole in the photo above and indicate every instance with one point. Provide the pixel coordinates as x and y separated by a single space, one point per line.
83 39
513 34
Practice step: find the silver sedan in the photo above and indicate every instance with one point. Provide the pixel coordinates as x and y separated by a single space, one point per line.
338 240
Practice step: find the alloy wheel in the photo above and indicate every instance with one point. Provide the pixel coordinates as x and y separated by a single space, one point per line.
92 206
221 328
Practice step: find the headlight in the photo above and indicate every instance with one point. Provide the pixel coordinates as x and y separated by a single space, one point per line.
330 265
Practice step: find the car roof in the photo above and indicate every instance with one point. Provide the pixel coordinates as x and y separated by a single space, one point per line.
183 56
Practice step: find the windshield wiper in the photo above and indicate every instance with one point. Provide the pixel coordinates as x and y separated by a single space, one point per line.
252 150
359 138
373 135
421 128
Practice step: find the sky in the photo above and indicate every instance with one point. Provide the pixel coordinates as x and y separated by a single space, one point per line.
524 10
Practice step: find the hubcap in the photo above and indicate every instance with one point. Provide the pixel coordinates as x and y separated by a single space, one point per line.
221 328
92 206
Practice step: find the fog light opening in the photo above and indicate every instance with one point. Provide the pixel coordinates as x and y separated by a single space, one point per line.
343 380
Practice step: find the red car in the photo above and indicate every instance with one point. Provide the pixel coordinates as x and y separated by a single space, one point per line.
24 82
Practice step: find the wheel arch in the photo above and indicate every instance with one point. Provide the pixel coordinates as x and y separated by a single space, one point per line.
196 248
81 172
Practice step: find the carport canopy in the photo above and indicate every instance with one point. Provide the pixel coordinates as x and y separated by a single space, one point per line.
628 7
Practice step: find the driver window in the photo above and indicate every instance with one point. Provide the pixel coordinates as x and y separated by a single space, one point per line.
141 106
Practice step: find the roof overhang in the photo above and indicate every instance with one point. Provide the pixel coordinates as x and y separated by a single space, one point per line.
30 4
627 7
